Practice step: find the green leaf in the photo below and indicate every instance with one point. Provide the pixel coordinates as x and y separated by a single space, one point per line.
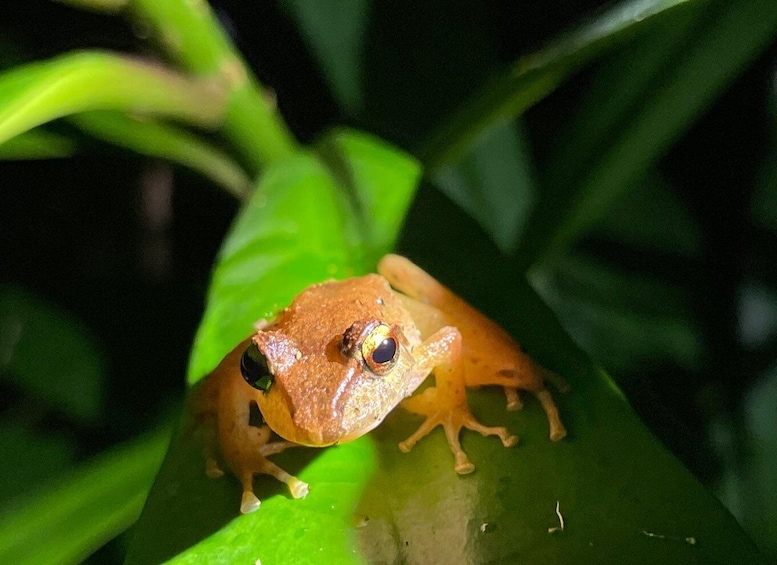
335 33
374 176
69 518
623 497
532 77
50 354
36 93
685 63
29 457
494 183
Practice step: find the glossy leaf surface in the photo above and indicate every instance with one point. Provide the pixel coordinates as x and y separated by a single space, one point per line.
623 498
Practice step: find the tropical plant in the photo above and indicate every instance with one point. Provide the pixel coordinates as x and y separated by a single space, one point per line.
562 192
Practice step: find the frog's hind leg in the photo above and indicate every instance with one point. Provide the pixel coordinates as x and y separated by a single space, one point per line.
532 378
557 429
514 401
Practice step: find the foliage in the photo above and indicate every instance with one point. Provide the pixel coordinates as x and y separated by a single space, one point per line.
555 161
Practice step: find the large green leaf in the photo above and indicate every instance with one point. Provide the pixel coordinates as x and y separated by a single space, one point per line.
623 497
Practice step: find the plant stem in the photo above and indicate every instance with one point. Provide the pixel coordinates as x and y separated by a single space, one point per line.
190 34
34 94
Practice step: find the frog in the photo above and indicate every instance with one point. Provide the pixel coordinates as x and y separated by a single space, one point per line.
344 354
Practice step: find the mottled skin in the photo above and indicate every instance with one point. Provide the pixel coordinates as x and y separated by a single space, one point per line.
325 392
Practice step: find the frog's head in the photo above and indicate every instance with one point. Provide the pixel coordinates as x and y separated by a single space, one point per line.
334 393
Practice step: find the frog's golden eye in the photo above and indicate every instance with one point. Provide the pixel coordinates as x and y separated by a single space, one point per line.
380 349
254 368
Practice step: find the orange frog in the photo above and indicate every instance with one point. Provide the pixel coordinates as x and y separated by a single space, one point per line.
334 363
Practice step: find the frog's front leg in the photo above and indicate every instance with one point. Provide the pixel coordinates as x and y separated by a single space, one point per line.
252 460
446 403
490 356
222 404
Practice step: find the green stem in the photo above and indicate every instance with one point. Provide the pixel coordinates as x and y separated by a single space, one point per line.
189 33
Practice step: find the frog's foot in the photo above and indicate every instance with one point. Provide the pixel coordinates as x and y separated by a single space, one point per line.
259 464
508 380
249 503
514 401
557 429
452 418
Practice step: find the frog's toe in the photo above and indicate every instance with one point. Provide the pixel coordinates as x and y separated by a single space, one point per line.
429 424
558 432
249 503
514 401
297 488
464 466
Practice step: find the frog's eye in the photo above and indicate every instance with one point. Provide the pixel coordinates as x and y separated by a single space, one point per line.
253 366
380 349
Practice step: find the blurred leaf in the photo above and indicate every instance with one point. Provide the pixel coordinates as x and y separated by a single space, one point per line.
50 354
650 216
624 319
29 458
37 144
69 518
660 100
36 93
167 142
335 32
105 6
532 77
494 182
764 204
500 193
757 315
759 513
